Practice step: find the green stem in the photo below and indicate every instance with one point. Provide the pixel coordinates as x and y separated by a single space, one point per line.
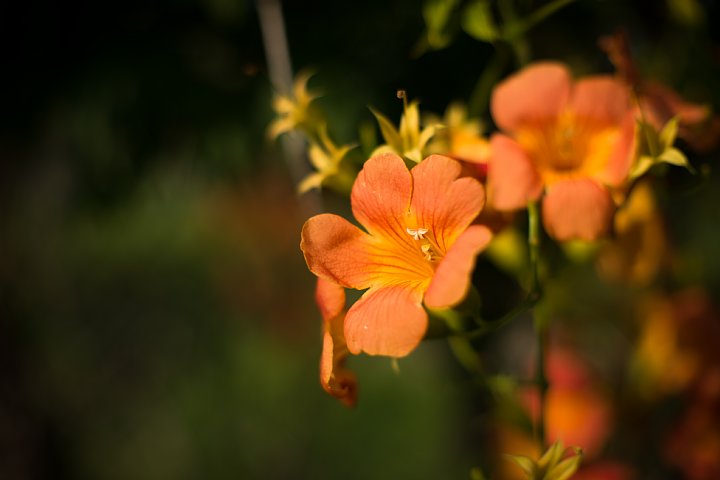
541 380
540 323
480 96
534 293
534 245
488 327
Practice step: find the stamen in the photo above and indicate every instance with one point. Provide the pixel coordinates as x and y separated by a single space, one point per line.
417 233
427 251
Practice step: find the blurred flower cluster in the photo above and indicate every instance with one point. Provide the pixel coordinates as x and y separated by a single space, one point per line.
567 172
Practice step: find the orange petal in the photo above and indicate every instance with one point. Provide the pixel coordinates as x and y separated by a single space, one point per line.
451 281
601 100
618 166
336 250
334 377
381 196
577 210
442 202
534 95
330 298
512 178
386 321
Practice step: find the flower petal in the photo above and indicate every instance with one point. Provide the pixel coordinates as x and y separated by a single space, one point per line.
577 210
338 381
512 178
600 99
330 298
386 321
381 196
442 202
618 166
535 94
452 278
336 250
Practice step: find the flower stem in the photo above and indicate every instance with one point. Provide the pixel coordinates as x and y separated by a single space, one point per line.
540 321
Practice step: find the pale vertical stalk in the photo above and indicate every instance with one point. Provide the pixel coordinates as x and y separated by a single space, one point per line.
272 25
540 323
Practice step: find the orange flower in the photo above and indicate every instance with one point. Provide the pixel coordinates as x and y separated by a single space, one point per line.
574 142
576 410
659 103
334 377
418 246
639 247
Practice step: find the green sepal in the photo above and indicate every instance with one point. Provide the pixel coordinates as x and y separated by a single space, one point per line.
655 148
567 468
526 464
388 131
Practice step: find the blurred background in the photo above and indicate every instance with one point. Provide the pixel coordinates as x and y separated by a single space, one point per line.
156 315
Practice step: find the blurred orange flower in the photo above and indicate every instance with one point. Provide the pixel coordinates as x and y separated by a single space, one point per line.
639 247
419 246
574 142
461 138
698 127
334 377
576 409
606 470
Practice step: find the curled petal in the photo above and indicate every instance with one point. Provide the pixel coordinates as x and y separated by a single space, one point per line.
601 100
661 103
533 95
512 178
334 377
442 202
336 250
452 278
381 196
330 298
386 321
577 210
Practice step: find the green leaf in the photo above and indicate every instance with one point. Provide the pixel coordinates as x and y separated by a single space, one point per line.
519 28
388 131
688 12
437 14
465 353
478 22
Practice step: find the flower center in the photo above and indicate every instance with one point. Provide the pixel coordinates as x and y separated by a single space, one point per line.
568 147
427 248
